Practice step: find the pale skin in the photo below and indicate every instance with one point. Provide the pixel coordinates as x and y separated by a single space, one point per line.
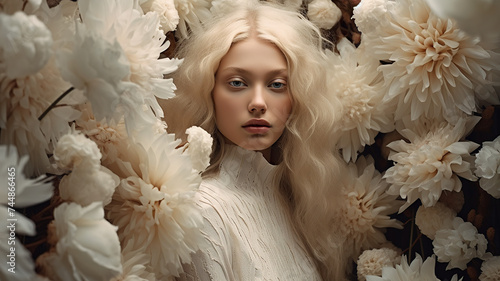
251 95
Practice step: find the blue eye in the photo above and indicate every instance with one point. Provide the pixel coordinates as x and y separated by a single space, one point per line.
236 83
277 85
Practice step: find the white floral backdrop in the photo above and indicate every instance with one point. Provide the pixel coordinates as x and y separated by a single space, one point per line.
93 188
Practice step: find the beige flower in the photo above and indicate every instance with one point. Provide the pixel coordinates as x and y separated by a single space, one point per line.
87 245
459 244
154 204
416 270
370 14
371 262
358 87
367 207
435 69
431 219
490 269
199 147
323 13
488 167
192 14
430 162
169 18
73 149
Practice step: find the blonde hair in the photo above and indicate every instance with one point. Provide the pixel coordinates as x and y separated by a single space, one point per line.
309 172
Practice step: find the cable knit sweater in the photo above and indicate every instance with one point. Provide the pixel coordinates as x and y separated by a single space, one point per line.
248 235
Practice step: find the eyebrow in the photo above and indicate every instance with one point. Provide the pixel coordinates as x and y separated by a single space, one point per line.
280 71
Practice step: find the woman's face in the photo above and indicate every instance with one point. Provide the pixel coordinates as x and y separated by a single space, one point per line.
251 94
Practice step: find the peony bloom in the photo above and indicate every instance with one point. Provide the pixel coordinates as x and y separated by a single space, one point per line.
25 45
477 17
367 209
430 162
169 17
459 244
431 219
87 245
192 14
371 262
416 271
199 147
87 184
358 87
74 149
434 69
17 192
154 204
490 269
369 14
323 13
488 167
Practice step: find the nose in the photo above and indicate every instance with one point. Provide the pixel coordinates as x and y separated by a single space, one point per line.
257 102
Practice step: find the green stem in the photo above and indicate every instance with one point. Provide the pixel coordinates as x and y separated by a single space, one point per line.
55 103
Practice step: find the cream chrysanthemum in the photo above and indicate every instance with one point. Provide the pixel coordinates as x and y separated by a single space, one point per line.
371 262
367 207
192 14
154 204
459 244
169 18
358 87
430 162
488 167
431 219
490 269
436 69
416 271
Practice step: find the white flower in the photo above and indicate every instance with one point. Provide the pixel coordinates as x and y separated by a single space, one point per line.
490 269
169 18
369 14
435 68
192 14
87 183
459 245
430 162
416 271
25 45
431 219
17 192
476 17
358 87
87 247
323 13
222 7
97 67
367 207
488 167
134 266
371 262
73 149
199 147
154 204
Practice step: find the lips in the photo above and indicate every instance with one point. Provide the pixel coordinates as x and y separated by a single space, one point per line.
257 126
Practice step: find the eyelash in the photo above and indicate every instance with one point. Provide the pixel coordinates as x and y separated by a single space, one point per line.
241 84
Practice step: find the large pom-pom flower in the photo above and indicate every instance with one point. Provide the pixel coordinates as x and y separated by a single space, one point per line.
371 262
434 69
459 244
367 207
488 167
431 219
323 13
154 204
430 162
358 87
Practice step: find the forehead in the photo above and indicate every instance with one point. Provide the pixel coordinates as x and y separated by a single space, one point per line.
252 52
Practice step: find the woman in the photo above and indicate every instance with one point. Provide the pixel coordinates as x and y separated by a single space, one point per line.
255 80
